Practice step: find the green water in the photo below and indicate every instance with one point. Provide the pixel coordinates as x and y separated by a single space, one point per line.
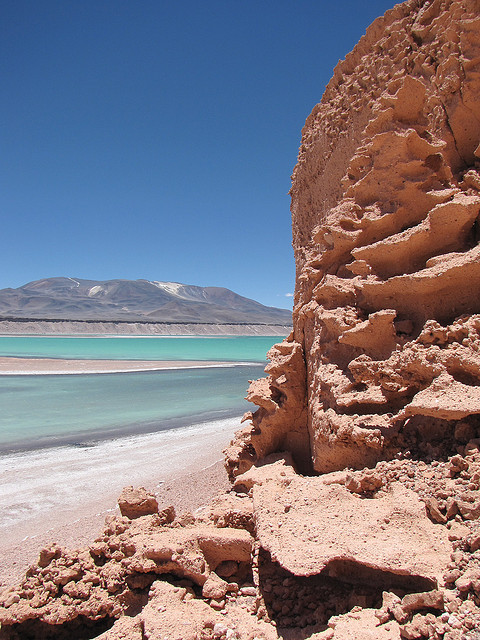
232 349
39 411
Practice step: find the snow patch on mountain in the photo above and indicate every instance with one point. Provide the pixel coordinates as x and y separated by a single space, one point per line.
174 288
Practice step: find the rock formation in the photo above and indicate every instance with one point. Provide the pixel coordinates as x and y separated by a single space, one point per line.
384 355
355 508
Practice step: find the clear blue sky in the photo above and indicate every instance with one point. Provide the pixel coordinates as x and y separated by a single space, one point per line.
154 139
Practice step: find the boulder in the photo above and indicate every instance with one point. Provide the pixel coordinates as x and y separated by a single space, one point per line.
137 502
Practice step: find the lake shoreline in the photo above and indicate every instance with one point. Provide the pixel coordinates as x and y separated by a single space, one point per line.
181 491
183 468
72 442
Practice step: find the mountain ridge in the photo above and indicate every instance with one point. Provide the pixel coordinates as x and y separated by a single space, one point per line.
68 298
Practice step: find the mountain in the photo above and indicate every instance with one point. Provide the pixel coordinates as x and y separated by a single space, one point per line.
135 301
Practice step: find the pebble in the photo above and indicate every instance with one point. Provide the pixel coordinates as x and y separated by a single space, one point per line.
219 630
215 604
454 622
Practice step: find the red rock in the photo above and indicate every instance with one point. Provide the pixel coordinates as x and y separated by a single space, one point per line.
166 515
331 527
48 554
366 481
214 587
383 205
427 600
468 510
135 503
420 627
474 541
226 569
434 511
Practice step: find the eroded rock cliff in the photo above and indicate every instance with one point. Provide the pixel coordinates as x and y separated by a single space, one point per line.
355 509
384 355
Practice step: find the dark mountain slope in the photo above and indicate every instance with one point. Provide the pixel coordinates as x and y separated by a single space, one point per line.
134 300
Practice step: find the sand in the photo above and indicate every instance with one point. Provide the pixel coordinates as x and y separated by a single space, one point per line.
55 366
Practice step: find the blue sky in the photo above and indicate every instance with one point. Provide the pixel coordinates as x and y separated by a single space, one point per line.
154 139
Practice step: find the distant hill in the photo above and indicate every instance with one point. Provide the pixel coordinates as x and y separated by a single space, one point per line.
134 301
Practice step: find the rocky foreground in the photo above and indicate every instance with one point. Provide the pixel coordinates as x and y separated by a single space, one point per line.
355 507
386 552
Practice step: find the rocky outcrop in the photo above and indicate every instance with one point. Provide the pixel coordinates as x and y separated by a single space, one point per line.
385 204
380 553
280 422
139 559
409 549
355 508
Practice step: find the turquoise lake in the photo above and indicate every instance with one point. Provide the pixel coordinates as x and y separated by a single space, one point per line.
234 348
39 411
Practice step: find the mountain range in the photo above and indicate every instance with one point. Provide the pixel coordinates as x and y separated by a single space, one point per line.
67 298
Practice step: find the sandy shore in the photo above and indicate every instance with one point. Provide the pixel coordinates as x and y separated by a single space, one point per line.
54 366
63 495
